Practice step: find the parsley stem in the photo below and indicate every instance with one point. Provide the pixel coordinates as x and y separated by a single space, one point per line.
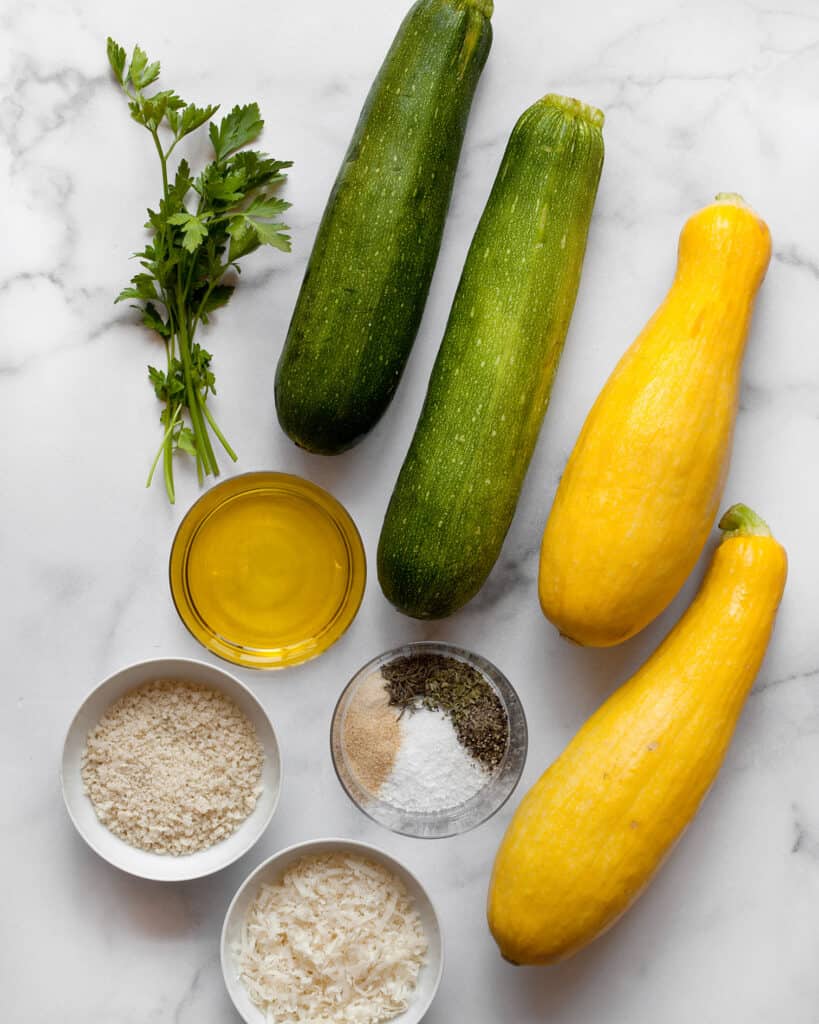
166 450
200 430
162 159
167 466
205 297
215 428
165 437
168 441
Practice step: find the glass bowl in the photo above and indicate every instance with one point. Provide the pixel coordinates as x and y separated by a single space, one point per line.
464 816
267 570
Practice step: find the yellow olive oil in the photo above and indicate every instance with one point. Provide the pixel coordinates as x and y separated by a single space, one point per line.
267 570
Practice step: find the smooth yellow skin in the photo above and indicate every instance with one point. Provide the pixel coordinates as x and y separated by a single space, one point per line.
595 828
656 445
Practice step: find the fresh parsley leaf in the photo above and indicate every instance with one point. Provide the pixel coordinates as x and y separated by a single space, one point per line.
139 61
116 58
203 378
152 319
143 287
160 383
186 441
141 73
272 234
136 112
247 234
218 296
168 387
257 169
157 378
194 231
218 185
267 207
243 237
164 104
182 182
241 126
193 117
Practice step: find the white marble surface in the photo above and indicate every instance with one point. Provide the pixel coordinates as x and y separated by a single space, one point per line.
700 97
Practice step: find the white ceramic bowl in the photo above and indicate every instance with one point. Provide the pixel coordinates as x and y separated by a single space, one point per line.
273 868
145 864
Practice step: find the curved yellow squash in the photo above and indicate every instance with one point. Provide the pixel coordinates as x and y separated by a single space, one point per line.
594 829
656 445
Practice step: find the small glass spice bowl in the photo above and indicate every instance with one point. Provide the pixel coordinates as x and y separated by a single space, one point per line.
477 808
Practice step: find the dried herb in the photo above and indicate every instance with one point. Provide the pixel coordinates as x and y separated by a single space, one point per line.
440 683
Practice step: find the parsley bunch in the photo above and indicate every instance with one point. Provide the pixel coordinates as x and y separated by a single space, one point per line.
201 228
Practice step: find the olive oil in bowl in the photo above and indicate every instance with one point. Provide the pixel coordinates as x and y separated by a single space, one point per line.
267 570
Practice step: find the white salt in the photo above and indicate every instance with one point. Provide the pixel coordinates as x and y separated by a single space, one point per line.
432 771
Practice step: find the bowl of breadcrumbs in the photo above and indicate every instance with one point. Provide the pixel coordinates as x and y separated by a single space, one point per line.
171 769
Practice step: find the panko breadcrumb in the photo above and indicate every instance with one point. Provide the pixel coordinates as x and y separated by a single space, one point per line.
173 767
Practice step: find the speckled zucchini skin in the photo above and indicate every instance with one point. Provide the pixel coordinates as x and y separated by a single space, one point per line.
368 277
490 385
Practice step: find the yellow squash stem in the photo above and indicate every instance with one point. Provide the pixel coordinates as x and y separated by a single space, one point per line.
594 829
741 521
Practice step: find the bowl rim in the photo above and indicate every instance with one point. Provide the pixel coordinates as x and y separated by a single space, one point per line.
354 541
343 843
145 663
483 664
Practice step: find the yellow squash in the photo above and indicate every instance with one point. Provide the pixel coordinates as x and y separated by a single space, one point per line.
656 445
597 825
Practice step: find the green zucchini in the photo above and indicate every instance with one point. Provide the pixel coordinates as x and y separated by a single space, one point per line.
368 277
490 385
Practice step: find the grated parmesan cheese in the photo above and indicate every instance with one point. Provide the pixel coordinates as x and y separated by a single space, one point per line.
336 939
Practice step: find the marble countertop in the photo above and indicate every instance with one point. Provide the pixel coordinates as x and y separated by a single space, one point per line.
700 98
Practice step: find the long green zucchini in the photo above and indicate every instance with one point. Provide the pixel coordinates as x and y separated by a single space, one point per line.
368 277
459 485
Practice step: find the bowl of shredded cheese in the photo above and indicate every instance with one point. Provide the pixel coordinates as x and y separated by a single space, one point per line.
171 769
331 929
